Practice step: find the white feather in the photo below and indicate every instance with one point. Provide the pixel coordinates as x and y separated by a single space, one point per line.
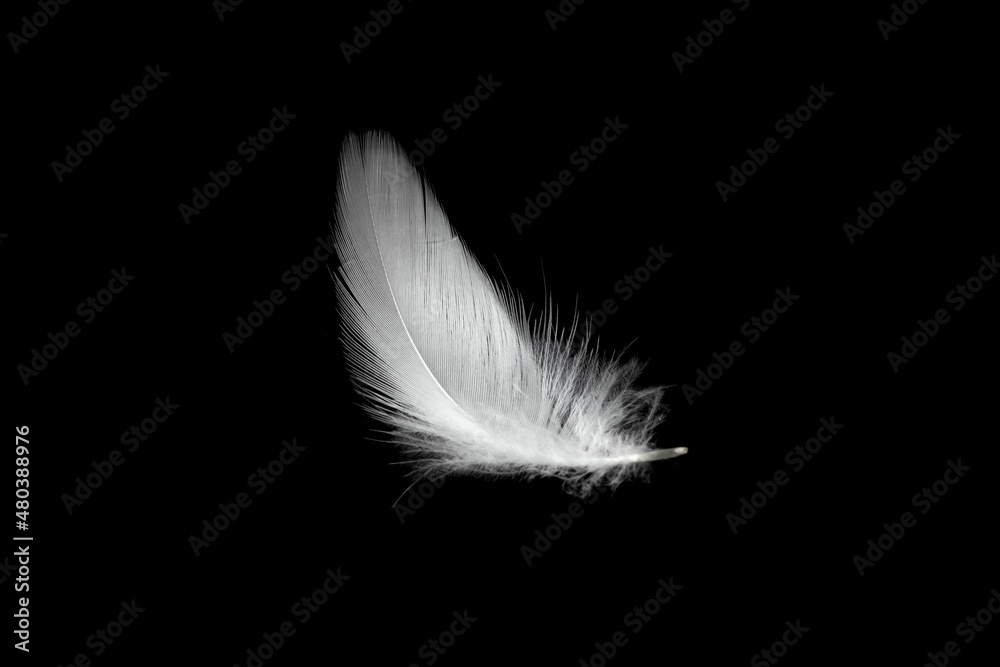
447 358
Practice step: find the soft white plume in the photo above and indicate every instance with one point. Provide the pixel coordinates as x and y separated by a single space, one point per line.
448 359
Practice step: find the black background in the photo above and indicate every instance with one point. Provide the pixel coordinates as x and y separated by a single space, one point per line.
654 186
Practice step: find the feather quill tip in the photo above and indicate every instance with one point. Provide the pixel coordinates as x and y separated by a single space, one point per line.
659 454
